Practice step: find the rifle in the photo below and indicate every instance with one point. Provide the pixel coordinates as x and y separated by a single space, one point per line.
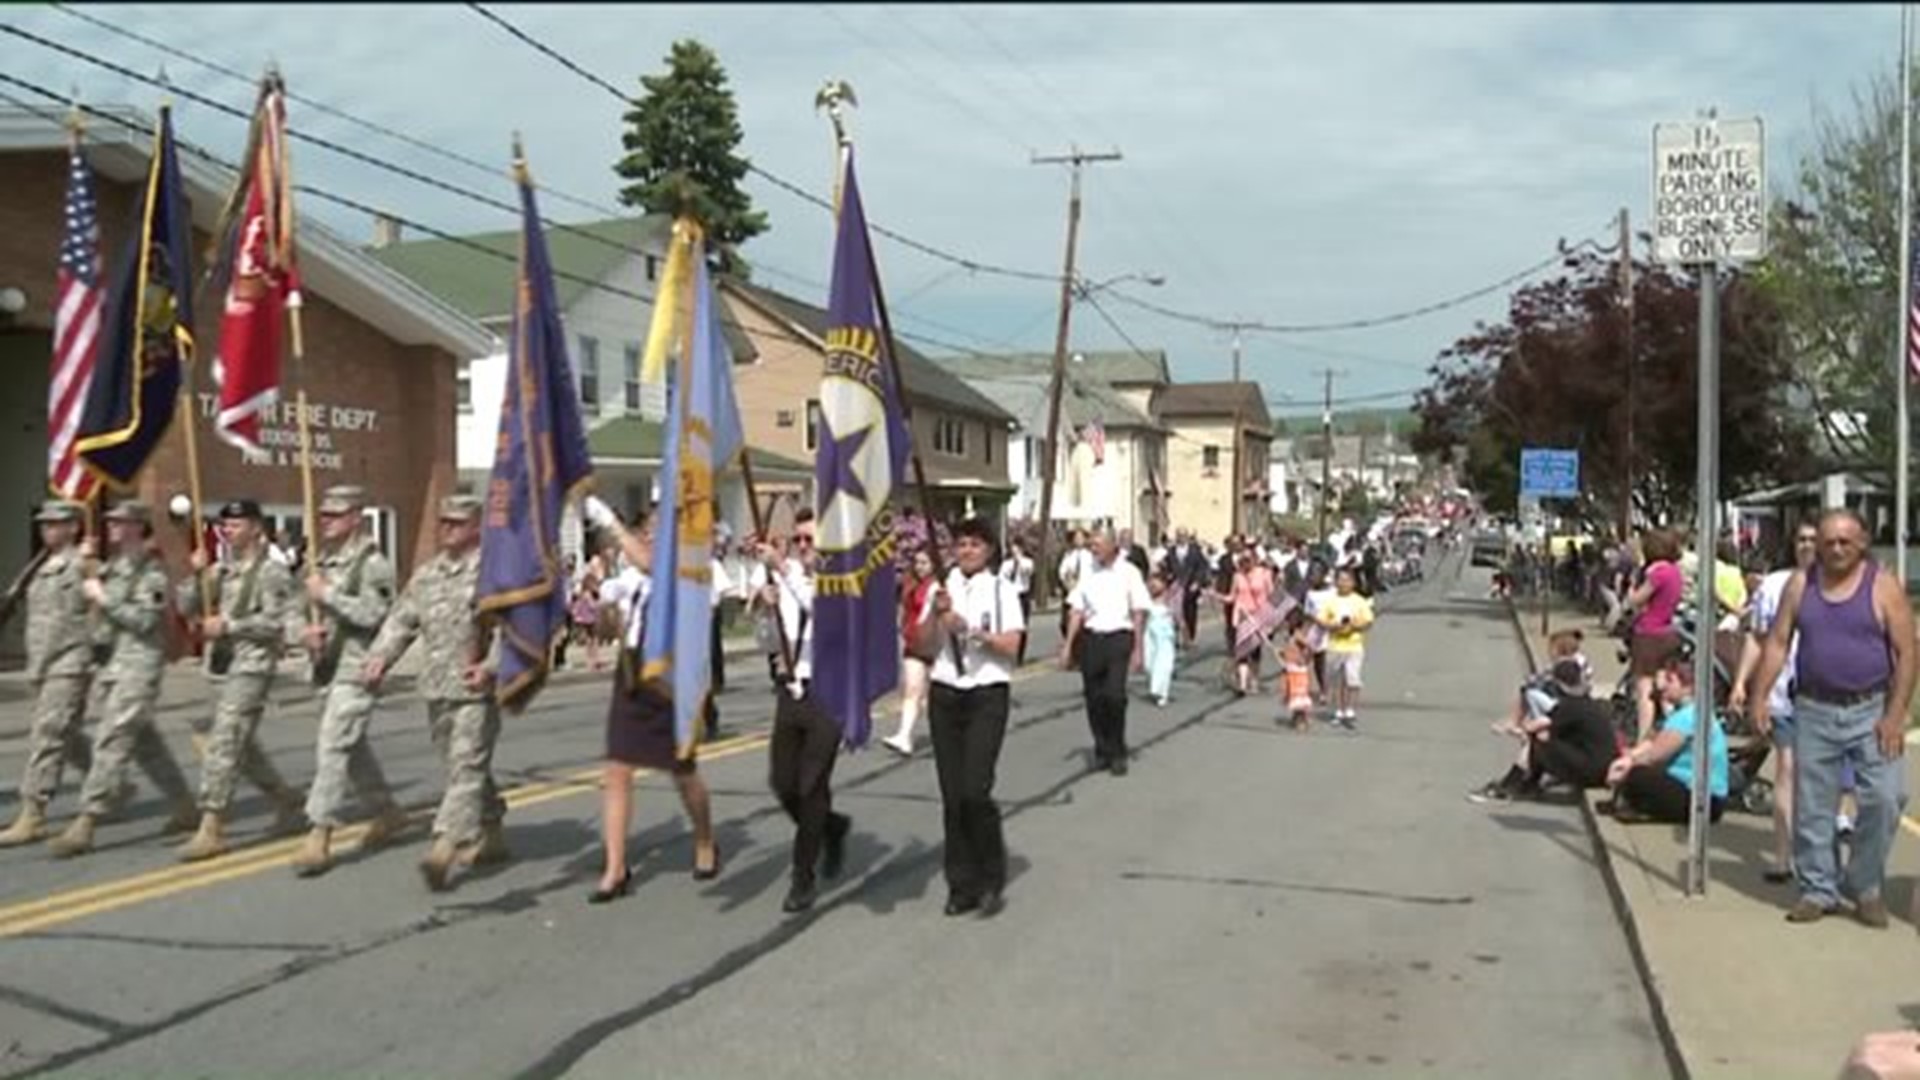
18 590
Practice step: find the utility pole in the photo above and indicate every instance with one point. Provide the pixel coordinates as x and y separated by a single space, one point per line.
1326 451
1239 470
1626 443
1077 159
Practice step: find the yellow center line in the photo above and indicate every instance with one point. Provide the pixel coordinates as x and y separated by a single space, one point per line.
248 860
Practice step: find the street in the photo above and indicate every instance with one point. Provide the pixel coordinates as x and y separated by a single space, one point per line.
1249 901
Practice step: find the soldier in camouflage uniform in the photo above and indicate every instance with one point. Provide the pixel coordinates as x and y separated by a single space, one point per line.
59 669
253 597
132 601
352 587
456 678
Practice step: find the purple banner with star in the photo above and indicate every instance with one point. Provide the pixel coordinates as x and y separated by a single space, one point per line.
863 456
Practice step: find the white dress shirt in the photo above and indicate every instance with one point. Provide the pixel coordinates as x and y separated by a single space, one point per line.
991 605
628 592
1076 565
795 586
1018 570
1107 596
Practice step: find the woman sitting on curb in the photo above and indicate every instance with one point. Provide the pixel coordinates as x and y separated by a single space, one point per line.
1653 781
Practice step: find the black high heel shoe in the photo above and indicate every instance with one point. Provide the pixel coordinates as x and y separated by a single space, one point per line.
620 889
710 872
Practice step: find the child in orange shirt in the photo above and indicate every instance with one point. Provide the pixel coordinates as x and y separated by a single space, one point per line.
1296 670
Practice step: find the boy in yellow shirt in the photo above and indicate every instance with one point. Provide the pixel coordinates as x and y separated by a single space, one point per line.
1347 616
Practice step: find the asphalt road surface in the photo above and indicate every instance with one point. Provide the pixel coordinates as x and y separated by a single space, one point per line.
1249 901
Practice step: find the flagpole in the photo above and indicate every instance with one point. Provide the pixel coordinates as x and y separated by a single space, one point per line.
1903 310
196 515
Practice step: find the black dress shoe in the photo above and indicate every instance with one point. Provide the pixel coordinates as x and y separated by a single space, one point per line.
710 872
960 905
619 889
799 898
992 903
1118 766
833 852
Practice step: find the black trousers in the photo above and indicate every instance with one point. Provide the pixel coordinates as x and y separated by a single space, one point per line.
1026 613
1190 612
1104 660
968 728
806 742
1564 761
718 659
1651 791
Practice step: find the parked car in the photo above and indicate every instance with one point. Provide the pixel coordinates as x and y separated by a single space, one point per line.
1489 548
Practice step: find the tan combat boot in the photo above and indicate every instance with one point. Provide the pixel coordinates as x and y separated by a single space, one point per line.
391 823
209 842
76 840
491 848
289 812
185 819
31 825
314 857
438 863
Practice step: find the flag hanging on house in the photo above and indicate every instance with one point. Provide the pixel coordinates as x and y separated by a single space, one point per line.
540 463
703 437
863 455
261 279
1096 439
77 300
146 336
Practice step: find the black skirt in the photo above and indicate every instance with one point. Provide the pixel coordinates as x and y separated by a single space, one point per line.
640 729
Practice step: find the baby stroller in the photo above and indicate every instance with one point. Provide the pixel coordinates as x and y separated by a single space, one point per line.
1748 790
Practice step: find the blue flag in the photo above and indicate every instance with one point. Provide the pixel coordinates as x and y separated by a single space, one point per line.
703 437
540 462
147 329
863 455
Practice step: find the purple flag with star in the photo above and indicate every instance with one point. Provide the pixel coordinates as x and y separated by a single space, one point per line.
863 455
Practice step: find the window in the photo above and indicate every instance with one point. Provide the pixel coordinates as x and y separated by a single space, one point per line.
1033 457
1210 458
589 374
633 376
783 418
813 426
950 437
986 433
653 267
463 388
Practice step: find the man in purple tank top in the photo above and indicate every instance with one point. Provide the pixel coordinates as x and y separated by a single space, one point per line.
1853 681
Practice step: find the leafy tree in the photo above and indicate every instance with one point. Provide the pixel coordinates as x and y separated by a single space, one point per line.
680 142
1833 272
1554 375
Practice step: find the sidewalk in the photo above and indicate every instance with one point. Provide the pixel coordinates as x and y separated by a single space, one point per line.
1738 991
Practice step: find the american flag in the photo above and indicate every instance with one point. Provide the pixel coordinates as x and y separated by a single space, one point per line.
1096 437
76 333
1913 317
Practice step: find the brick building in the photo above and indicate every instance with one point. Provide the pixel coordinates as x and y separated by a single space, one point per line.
379 370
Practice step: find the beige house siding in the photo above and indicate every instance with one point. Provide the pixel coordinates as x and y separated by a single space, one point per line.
1203 499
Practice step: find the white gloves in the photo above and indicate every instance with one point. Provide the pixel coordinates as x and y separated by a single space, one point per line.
598 513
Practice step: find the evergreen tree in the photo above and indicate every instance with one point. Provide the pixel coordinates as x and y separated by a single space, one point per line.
680 142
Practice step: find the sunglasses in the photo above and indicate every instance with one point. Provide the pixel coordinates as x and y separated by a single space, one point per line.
803 539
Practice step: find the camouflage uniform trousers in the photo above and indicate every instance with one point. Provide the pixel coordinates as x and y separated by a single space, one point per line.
57 738
465 733
231 749
127 732
342 754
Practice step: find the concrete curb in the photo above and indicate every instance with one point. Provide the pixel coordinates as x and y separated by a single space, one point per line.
1616 895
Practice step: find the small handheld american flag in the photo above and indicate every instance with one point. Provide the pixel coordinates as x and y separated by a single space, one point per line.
1913 317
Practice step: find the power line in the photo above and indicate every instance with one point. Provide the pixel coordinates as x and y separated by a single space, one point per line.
788 186
321 107
1260 326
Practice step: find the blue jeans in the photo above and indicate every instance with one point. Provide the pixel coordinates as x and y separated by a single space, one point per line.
1831 738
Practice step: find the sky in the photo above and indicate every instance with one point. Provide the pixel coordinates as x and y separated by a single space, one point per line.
1281 164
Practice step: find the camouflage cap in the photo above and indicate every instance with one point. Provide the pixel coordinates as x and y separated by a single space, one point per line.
460 508
343 499
56 510
131 510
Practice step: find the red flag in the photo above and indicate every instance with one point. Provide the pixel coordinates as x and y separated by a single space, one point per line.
263 283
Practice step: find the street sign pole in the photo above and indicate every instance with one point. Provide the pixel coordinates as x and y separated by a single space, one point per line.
1705 543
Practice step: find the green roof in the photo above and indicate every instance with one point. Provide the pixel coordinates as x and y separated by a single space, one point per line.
634 438
481 285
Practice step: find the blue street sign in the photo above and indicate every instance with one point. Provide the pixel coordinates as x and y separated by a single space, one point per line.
1549 474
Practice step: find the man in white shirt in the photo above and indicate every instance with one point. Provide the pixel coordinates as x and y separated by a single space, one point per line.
1109 607
806 741
1763 612
1074 565
1017 570
982 626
